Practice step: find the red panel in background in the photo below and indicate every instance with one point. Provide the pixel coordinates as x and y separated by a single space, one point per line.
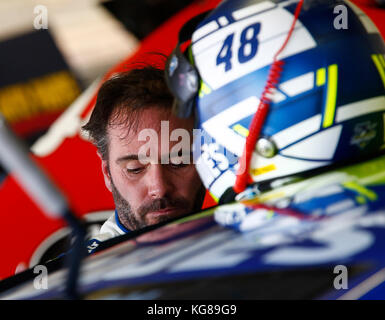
35 124
374 12
74 166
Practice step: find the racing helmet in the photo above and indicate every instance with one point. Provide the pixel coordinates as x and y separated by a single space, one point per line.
311 74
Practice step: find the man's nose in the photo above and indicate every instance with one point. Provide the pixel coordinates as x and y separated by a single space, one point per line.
158 184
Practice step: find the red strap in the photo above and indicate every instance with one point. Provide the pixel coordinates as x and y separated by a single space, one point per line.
243 174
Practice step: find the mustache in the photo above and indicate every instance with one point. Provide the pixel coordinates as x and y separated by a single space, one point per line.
162 203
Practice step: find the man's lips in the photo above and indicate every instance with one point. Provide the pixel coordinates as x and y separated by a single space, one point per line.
165 211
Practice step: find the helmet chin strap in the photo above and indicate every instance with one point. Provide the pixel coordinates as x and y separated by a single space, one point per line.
243 175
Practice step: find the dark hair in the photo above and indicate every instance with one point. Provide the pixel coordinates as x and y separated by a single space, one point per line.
122 98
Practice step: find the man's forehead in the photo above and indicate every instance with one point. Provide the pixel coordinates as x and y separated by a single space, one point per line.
126 130
131 120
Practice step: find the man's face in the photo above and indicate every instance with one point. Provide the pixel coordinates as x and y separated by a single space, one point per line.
147 190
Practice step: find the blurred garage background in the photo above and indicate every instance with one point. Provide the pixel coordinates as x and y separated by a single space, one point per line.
44 70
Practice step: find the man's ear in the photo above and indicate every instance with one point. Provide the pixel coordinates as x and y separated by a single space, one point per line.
106 172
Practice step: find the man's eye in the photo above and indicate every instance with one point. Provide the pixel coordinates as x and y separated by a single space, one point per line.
134 170
178 166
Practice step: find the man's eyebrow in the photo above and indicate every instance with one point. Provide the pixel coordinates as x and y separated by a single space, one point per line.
171 155
127 158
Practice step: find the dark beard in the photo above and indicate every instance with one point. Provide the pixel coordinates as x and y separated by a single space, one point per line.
128 218
124 210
